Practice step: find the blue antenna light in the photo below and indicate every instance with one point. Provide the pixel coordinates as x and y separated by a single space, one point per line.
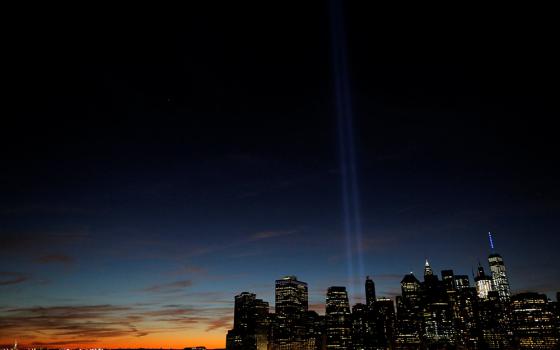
491 241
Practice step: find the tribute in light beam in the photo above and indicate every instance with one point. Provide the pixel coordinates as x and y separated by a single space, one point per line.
346 148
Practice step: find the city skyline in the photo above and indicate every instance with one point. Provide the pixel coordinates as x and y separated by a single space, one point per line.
433 313
152 169
314 296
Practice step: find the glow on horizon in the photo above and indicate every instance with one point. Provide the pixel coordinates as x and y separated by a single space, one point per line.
167 340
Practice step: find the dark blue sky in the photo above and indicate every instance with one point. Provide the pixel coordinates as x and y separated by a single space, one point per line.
180 165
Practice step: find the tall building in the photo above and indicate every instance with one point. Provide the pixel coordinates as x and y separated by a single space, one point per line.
291 296
362 328
466 320
250 324
483 283
409 313
370 293
448 279
533 322
462 281
436 313
385 323
338 319
492 322
291 303
500 282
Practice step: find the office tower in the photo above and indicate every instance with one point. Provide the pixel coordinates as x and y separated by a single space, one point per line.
338 319
500 282
362 330
370 293
250 324
533 322
462 281
291 296
555 309
291 302
483 283
466 322
431 285
492 322
315 328
436 316
385 323
409 313
448 279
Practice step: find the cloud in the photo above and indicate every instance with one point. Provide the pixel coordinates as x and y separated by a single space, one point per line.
220 323
189 269
270 234
70 322
17 241
79 324
171 287
67 342
8 278
55 258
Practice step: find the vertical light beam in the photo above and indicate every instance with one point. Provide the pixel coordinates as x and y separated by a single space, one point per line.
491 241
346 148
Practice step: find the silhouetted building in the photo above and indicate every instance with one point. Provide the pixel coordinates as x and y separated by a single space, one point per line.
409 313
483 283
362 328
437 323
492 322
385 323
448 279
533 322
291 303
461 281
338 319
466 320
250 324
315 328
370 293
500 282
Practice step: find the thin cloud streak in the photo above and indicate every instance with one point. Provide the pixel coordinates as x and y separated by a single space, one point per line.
55 258
9 278
171 287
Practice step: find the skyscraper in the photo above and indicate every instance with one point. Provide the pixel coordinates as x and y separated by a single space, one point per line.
500 282
385 323
250 324
533 322
448 279
291 302
362 331
338 319
409 313
370 293
291 296
483 283
427 269
462 281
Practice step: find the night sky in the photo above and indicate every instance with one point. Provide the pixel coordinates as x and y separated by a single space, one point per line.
153 169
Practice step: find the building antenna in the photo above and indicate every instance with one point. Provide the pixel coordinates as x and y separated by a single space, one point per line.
491 241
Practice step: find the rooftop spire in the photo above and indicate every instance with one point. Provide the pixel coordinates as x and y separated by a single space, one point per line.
427 269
